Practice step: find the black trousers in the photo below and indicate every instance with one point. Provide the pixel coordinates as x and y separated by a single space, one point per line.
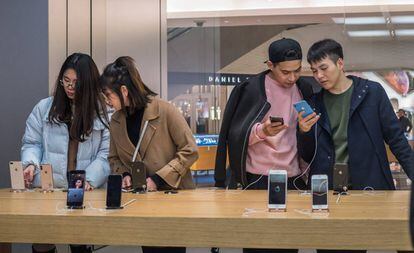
262 185
146 249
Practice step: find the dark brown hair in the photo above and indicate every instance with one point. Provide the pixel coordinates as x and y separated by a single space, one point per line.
124 72
88 102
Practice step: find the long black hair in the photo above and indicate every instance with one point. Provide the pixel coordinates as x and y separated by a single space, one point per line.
124 72
88 102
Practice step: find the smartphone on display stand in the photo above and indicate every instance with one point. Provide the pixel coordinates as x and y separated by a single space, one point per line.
319 185
46 177
114 192
340 178
277 190
76 189
16 176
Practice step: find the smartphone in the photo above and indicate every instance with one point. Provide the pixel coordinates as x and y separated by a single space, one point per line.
114 192
139 176
340 178
16 175
277 189
319 188
46 177
276 119
303 106
76 189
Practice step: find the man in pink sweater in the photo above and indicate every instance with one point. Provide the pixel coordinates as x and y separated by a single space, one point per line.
254 143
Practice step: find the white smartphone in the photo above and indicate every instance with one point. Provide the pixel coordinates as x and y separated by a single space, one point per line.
16 175
319 187
277 189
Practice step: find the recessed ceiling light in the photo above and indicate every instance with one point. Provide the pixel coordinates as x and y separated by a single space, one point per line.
403 19
404 32
359 20
369 33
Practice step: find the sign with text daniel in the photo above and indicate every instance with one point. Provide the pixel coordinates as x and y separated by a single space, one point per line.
206 78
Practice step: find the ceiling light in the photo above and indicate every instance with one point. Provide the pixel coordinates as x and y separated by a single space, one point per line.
369 33
403 19
359 20
404 32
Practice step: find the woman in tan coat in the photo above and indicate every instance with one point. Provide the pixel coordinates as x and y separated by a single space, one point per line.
167 149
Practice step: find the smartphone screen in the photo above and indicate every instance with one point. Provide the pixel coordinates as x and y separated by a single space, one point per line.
114 191
277 190
319 191
76 189
276 119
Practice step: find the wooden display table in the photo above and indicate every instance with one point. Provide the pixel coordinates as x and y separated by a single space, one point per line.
209 218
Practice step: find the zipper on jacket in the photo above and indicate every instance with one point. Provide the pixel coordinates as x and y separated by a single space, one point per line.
243 165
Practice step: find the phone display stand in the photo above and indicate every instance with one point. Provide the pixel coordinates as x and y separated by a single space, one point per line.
114 207
278 210
47 190
170 192
76 207
17 190
305 192
140 190
319 210
343 191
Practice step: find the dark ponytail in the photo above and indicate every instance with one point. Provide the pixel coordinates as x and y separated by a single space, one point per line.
124 72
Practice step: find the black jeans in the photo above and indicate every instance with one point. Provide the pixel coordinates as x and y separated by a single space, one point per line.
261 184
146 249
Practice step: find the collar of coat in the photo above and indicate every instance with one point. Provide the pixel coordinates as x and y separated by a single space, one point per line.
151 112
360 90
118 129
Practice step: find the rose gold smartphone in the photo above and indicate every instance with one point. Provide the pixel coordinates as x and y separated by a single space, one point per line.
16 176
46 176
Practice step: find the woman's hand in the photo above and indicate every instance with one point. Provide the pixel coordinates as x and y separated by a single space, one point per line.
88 186
151 186
126 182
28 175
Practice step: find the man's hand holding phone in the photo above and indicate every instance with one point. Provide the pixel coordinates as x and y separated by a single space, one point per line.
306 123
273 126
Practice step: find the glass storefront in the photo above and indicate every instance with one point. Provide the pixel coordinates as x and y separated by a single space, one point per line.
207 57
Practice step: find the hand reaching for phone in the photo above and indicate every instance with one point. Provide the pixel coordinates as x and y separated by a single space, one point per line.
151 186
28 175
305 124
88 186
273 128
126 182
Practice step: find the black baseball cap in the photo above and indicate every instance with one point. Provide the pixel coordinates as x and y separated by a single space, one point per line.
284 50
